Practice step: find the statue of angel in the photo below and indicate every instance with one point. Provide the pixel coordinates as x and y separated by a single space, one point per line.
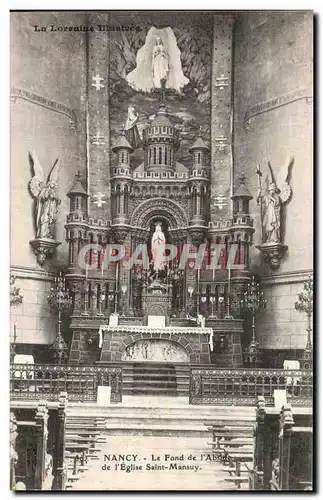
271 200
46 196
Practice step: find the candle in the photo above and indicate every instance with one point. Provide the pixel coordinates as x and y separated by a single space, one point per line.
229 272
117 275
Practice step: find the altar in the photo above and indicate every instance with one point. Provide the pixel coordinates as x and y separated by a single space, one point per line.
159 344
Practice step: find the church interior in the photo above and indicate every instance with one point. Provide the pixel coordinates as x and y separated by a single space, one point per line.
161 279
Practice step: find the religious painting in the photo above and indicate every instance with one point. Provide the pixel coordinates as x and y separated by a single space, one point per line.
170 53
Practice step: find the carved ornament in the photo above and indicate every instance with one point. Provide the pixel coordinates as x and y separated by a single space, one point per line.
277 102
45 102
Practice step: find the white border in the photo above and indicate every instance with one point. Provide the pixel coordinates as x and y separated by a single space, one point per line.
4 199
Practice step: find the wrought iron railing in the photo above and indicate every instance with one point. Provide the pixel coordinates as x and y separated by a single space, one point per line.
242 387
48 381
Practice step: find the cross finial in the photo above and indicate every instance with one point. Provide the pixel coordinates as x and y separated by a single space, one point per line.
242 178
163 91
200 131
78 175
258 171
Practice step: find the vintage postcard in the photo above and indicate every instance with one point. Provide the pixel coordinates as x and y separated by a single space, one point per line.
161 278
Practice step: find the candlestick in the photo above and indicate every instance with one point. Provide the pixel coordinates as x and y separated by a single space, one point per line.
229 272
116 292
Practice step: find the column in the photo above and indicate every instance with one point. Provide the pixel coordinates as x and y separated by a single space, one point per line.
259 444
41 419
286 424
59 471
98 132
13 453
221 115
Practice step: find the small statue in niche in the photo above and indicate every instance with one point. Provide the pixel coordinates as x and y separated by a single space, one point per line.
46 195
131 129
158 242
271 200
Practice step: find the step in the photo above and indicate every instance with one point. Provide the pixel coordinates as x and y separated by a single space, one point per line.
154 430
137 404
237 479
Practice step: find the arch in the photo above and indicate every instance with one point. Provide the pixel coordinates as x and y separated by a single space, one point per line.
163 208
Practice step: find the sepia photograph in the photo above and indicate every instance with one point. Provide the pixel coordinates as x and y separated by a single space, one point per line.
161 250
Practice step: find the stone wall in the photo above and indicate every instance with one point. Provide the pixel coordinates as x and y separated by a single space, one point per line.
195 344
34 320
51 65
273 58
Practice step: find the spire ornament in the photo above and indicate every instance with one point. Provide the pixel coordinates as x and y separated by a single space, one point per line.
60 300
253 301
304 304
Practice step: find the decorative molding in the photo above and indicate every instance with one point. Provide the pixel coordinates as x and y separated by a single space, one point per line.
286 278
276 102
273 253
44 248
22 272
45 102
165 208
148 329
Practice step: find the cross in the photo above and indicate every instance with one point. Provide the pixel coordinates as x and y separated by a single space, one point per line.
97 139
219 201
259 173
97 79
221 142
99 202
78 175
221 82
162 92
242 178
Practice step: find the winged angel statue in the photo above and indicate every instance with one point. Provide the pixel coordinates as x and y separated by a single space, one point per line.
271 200
46 196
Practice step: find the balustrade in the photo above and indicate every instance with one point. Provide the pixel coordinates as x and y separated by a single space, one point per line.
30 382
242 387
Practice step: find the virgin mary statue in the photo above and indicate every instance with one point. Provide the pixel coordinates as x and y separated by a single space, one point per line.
158 247
159 59
160 65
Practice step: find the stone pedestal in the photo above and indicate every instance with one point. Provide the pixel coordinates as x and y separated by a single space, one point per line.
227 350
157 299
119 342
